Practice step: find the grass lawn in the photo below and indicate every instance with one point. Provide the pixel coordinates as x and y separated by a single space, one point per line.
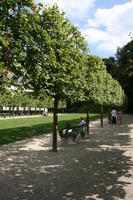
17 129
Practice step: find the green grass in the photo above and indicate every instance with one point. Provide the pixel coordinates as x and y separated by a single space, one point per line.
17 129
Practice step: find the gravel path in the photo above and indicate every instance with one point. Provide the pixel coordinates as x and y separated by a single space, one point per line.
99 167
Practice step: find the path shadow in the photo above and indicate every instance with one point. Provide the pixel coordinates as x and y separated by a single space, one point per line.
10 135
85 171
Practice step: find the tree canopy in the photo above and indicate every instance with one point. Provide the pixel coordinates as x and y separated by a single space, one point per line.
54 53
125 66
101 87
121 69
41 45
12 29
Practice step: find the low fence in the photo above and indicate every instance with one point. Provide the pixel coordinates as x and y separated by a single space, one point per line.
20 111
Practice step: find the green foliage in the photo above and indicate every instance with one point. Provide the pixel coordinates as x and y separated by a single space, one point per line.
12 31
16 99
101 88
55 53
111 66
45 48
125 64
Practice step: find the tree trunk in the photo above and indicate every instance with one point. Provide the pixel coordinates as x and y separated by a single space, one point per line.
88 120
101 116
55 123
109 115
13 113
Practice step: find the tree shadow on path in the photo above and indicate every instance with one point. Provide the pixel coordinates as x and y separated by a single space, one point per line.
91 169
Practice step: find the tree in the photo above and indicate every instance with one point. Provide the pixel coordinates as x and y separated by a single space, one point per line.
101 88
125 64
95 86
111 66
55 55
12 29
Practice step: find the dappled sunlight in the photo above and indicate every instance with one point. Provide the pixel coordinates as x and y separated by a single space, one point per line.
41 143
38 144
45 169
98 167
130 125
93 149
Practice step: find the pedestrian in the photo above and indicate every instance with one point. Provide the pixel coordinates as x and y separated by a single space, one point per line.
119 117
45 113
82 128
114 116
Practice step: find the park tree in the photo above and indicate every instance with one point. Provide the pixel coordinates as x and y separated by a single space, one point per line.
101 88
55 55
125 64
95 83
12 31
111 66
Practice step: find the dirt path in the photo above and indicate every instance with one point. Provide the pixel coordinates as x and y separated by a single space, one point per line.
99 167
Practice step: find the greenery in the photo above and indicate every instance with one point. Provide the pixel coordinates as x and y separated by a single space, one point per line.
12 30
12 130
111 66
23 99
121 69
41 46
54 60
100 88
125 71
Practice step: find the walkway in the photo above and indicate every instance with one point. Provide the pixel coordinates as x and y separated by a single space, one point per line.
99 167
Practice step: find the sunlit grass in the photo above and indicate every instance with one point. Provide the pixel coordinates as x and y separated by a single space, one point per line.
17 129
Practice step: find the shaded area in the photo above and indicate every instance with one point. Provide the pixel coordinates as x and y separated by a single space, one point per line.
14 134
91 169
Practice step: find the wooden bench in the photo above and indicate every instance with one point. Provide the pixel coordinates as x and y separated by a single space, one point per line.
71 132
4 114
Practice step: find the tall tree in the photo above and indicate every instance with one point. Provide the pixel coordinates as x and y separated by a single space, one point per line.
55 56
101 88
12 31
125 64
111 66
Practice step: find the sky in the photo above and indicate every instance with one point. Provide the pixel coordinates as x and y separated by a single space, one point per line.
105 24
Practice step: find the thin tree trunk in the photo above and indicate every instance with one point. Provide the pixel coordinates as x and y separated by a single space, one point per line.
109 115
13 113
88 120
55 123
101 116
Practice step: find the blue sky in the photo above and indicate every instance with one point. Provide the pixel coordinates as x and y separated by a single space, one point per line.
105 24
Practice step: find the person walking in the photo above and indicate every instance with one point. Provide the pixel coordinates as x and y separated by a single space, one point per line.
119 117
114 116
82 128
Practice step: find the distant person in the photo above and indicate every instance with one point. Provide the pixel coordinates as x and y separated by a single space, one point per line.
114 116
46 112
119 117
82 128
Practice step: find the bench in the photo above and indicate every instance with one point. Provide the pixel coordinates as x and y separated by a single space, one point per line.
71 132
5 114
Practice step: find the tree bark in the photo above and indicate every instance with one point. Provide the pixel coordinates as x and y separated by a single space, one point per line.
55 125
109 116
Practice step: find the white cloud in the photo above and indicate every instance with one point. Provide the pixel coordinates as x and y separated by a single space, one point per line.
110 27
73 8
94 35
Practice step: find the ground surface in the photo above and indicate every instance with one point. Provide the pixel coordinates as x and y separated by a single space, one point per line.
99 167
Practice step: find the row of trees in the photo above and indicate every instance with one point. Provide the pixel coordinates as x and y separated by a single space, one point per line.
121 69
48 51
23 99
101 88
